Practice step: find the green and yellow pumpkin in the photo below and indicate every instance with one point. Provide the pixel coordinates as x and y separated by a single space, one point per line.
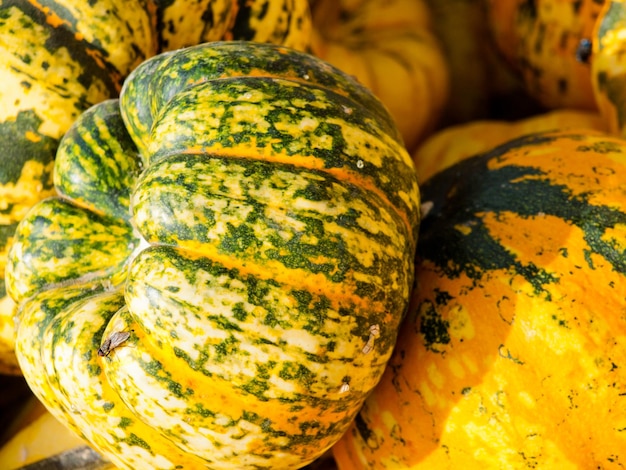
57 58
220 281
513 353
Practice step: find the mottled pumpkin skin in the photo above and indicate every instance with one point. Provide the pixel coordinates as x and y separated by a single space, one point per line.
390 46
248 216
541 39
59 58
513 353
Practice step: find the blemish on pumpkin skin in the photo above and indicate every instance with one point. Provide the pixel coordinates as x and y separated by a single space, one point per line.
461 326
505 353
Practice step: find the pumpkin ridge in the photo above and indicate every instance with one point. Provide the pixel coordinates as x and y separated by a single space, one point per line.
312 163
252 233
274 270
102 179
110 414
207 385
217 381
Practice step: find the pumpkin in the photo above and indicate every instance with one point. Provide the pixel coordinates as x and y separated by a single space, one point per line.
542 40
391 48
59 58
607 65
512 353
220 281
454 143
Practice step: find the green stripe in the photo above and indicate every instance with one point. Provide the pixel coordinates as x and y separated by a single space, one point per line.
21 148
523 190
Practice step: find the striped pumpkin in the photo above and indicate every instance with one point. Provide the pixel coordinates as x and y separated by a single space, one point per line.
220 282
512 354
57 58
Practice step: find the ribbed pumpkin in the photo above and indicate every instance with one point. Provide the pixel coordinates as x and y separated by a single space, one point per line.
58 58
222 286
513 353
541 39
390 46
454 143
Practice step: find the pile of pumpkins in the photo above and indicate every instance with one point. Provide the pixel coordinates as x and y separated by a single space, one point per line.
354 234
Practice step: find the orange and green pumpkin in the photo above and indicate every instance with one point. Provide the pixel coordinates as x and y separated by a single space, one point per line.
513 352
220 281
57 58
542 39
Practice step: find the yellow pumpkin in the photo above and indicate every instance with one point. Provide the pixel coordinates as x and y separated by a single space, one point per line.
390 47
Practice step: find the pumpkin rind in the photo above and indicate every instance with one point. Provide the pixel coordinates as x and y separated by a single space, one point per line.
258 283
180 23
287 23
512 353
